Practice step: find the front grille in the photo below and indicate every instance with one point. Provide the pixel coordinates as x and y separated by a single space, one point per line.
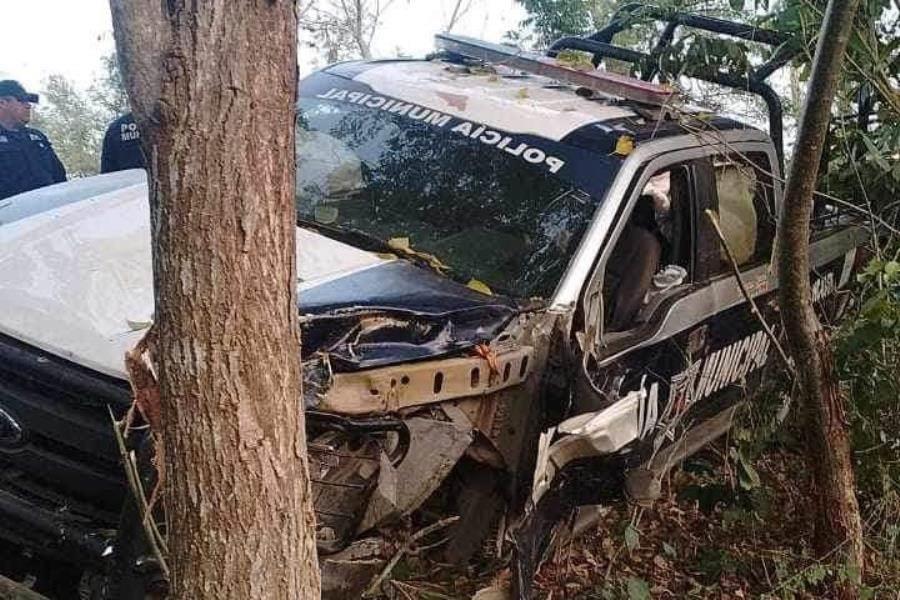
69 459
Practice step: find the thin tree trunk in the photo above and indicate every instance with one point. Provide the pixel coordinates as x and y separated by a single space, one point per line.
838 526
459 10
359 33
213 87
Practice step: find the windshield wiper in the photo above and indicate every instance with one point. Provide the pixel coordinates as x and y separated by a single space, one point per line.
367 241
354 237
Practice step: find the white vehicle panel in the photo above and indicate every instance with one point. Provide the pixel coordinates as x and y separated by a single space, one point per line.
516 105
77 280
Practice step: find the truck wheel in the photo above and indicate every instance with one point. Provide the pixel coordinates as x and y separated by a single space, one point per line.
479 502
94 585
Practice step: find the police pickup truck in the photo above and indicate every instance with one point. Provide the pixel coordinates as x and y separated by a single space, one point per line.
515 293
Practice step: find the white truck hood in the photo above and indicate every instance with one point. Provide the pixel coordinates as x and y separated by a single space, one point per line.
76 279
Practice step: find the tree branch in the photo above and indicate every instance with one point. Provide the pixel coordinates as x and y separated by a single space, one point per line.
143 35
405 549
740 280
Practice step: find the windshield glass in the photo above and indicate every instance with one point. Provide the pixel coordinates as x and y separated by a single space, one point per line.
488 215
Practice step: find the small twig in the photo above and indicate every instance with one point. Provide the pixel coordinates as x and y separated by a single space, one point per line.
148 507
790 580
612 561
421 590
740 280
402 589
418 551
407 547
766 571
137 491
862 189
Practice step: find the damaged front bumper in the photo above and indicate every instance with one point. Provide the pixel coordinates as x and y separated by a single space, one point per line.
370 473
366 473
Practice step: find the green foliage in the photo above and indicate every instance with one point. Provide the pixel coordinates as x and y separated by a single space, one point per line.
632 538
74 125
575 59
670 550
549 20
108 90
864 166
868 362
638 589
553 19
748 478
807 581
693 53
75 120
712 563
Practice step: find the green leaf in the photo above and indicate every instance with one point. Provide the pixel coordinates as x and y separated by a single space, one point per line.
732 516
747 475
736 4
816 574
638 589
632 538
875 154
874 267
669 550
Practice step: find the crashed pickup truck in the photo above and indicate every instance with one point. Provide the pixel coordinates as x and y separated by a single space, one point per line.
515 292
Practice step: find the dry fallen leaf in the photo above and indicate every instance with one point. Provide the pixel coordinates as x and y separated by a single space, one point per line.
480 286
624 145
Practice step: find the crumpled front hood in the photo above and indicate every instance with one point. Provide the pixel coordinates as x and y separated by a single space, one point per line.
76 280
397 312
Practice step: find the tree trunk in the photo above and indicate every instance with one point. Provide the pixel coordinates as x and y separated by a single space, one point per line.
213 88
838 527
363 43
459 10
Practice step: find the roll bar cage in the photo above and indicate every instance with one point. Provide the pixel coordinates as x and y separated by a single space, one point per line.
786 48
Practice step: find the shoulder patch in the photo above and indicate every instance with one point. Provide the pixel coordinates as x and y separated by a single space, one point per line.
36 136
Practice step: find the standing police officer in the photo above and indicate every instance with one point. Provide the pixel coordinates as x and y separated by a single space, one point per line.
27 159
122 146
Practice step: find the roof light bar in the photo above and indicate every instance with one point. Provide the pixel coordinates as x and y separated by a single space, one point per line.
611 84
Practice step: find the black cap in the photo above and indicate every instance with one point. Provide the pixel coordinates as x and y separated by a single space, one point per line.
10 87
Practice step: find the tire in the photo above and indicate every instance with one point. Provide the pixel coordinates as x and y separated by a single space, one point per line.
479 502
483 494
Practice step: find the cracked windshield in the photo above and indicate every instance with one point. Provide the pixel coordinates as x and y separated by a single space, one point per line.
476 214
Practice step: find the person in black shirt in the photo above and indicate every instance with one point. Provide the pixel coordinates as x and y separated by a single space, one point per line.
122 146
27 159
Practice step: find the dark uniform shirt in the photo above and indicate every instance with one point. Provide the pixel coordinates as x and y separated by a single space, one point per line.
27 161
122 146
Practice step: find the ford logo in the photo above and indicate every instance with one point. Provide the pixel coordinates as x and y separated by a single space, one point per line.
11 433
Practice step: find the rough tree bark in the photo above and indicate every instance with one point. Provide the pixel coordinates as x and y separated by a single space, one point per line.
838 526
213 87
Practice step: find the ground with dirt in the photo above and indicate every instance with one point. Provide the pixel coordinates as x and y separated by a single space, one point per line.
715 534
